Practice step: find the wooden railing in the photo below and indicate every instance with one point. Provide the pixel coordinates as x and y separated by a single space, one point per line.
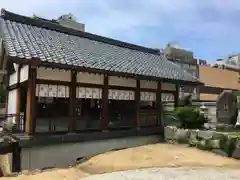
10 124
148 118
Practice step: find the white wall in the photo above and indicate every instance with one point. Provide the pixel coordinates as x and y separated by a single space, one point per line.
12 105
84 77
148 84
53 74
24 73
13 79
168 86
12 100
120 81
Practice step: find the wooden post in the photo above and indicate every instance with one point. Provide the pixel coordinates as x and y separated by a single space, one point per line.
176 96
31 101
159 105
18 98
72 105
137 102
105 103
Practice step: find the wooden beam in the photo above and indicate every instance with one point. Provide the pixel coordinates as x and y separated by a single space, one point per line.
137 103
53 82
31 101
159 105
105 104
72 104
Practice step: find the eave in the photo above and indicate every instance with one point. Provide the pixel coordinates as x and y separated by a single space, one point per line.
38 62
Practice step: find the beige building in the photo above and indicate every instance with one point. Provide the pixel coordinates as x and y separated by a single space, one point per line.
216 80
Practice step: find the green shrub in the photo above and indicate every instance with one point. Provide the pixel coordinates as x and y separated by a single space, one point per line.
190 117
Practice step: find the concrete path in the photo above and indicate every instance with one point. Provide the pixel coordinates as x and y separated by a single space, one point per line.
171 174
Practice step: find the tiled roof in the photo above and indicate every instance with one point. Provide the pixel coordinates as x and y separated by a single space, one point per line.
28 41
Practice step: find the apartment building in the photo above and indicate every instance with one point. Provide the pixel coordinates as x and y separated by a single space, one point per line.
186 60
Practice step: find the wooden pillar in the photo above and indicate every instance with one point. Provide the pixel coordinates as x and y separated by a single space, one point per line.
176 96
18 98
137 102
159 105
72 105
31 101
105 103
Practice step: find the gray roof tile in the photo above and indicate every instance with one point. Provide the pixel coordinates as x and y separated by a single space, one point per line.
27 41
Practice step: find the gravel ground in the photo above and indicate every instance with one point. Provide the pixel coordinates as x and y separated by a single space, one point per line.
171 174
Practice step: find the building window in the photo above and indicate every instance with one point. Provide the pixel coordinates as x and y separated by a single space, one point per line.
193 67
186 66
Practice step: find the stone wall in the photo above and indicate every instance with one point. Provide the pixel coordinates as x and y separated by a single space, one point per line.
218 142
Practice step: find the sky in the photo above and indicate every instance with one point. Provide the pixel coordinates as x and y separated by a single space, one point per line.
209 28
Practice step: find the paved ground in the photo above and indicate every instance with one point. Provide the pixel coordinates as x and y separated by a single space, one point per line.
171 174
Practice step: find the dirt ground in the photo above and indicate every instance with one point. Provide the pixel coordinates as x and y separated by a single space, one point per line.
157 155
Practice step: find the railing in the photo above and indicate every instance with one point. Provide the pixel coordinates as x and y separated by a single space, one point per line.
10 124
148 118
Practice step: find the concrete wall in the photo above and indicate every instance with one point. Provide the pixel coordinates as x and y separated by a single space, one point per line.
63 155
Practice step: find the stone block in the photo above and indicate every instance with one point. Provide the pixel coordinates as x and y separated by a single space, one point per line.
205 134
169 132
213 143
236 152
182 135
219 135
193 134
